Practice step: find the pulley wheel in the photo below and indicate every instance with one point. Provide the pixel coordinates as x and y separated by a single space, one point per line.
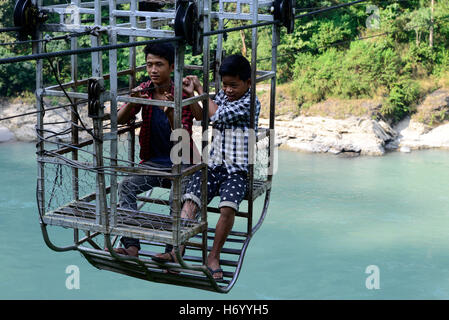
284 12
187 25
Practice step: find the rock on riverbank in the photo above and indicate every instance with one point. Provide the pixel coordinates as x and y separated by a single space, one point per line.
357 136
24 128
325 135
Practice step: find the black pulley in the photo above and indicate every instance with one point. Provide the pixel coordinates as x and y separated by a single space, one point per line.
284 11
27 17
95 88
188 25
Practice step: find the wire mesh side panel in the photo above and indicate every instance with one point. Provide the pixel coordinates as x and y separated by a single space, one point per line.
70 187
262 158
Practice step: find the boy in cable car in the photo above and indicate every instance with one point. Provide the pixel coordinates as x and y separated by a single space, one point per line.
228 159
154 137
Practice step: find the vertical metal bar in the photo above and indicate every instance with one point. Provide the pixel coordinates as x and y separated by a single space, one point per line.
74 120
252 142
132 82
177 124
132 51
97 65
207 7
37 48
101 203
113 80
219 52
272 135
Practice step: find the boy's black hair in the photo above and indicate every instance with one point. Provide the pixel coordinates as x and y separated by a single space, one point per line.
235 65
164 50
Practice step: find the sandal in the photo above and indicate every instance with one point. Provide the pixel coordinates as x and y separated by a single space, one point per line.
172 257
163 260
218 270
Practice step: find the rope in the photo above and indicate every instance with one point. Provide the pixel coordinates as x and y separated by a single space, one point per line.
47 55
68 97
330 8
10 29
48 39
34 112
328 46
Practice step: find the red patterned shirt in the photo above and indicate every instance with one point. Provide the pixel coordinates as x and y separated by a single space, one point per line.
145 130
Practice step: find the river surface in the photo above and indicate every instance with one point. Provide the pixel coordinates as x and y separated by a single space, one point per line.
337 228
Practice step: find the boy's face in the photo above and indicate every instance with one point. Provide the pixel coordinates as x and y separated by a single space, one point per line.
159 69
234 88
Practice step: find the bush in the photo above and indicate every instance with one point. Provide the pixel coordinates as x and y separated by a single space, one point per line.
403 97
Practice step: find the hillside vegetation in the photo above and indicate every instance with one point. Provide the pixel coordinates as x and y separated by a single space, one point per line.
379 58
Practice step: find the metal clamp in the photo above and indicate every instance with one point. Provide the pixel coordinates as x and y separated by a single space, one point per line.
188 25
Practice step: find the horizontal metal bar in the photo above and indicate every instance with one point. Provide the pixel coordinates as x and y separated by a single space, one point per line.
71 94
194 99
84 81
146 14
249 26
265 75
70 28
153 33
150 102
145 172
53 160
192 169
241 16
64 10
86 4
261 3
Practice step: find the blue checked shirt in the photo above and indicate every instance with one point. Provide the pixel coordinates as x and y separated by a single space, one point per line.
231 132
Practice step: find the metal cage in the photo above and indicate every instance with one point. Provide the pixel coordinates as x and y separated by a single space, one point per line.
80 165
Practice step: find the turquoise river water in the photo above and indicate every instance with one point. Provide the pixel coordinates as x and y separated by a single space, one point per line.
337 228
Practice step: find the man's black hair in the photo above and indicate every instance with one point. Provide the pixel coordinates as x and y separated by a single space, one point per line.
236 65
164 50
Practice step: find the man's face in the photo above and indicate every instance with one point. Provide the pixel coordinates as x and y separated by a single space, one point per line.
234 88
158 69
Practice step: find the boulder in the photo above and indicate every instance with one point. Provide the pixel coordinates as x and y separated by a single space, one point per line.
434 110
318 134
5 134
415 135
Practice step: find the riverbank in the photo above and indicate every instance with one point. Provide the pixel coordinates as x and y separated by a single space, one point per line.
357 135
335 132
357 127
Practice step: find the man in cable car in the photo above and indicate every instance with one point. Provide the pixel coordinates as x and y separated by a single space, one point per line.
228 160
154 137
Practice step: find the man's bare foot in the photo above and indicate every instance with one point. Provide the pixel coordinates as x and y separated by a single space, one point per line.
130 251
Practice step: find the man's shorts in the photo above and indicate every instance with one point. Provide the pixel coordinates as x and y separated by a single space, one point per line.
230 187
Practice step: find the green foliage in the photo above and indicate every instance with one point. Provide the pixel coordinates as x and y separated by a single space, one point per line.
403 95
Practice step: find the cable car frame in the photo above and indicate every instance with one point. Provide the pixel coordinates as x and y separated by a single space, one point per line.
89 206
